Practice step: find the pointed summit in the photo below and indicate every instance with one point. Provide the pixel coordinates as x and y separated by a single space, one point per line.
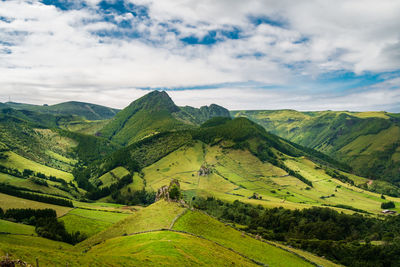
145 116
154 113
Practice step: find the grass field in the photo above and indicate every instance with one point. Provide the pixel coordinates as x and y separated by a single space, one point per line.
203 225
28 184
156 216
16 228
86 127
237 174
17 162
9 202
48 252
89 227
113 176
90 222
166 249
150 249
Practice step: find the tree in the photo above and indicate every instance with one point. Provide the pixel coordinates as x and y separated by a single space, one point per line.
174 192
388 205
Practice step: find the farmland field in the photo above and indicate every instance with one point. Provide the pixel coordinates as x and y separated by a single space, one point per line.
10 202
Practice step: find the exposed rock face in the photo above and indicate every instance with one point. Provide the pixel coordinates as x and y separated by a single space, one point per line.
7 262
164 191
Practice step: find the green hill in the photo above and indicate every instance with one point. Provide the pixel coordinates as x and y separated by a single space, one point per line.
85 110
146 116
234 159
368 141
155 113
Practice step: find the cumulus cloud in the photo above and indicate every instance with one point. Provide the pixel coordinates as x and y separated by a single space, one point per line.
269 52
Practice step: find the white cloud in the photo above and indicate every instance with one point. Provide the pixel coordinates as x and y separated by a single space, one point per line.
55 56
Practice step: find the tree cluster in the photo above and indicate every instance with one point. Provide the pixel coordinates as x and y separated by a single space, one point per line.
45 222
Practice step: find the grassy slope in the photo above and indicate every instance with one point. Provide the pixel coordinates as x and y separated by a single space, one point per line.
29 185
237 174
9 202
156 216
145 116
167 249
112 248
203 225
86 127
90 222
16 228
151 249
368 141
44 146
113 176
17 162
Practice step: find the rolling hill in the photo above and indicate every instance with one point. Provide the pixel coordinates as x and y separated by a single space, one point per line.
81 109
236 159
368 141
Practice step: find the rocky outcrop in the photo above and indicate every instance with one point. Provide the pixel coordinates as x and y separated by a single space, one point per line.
204 171
170 192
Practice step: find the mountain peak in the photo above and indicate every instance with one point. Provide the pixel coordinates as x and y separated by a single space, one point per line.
155 101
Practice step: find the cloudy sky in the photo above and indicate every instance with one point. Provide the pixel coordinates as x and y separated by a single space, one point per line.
253 54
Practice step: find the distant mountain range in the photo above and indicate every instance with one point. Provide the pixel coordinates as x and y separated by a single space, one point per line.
85 110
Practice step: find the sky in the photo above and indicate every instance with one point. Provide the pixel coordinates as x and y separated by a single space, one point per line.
253 54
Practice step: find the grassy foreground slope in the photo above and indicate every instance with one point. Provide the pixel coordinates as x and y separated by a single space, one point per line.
166 249
368 141
156 216
150 249
200 224
141 239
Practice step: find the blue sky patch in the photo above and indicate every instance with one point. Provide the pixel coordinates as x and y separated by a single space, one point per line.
65 4
213 37
258 20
